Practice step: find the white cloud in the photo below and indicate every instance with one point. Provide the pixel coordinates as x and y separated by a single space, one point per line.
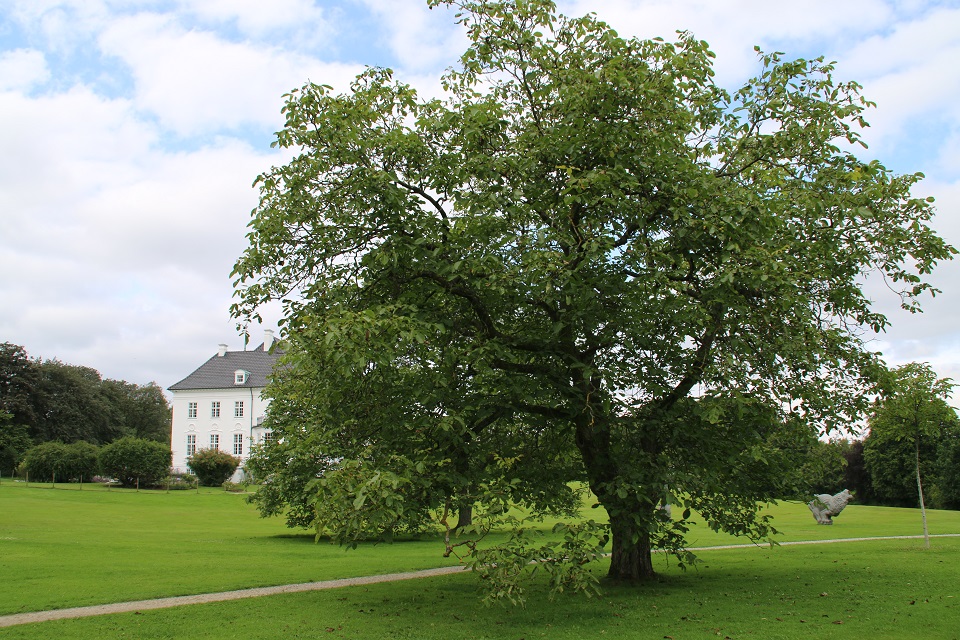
733 27
421 38
64 25
257 19
195 82
22 69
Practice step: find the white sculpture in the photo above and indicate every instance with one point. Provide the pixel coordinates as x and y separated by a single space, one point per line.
824 506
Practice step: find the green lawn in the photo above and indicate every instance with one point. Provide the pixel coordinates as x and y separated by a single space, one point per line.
65 547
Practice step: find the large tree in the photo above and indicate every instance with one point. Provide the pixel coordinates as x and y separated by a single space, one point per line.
587 255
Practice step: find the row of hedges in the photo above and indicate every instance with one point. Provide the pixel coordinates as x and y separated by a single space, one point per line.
132 461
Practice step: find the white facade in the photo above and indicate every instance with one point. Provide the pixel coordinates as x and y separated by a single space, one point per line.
207 418
221 406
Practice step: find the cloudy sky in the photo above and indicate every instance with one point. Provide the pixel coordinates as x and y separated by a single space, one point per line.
131 131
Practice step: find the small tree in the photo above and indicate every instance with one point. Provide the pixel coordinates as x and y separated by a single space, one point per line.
45 461
913 412
212 466
80 461
135 462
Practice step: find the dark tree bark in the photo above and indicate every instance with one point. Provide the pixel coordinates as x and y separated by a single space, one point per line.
632 553
464 516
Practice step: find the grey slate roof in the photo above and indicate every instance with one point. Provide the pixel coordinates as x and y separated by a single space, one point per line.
218 372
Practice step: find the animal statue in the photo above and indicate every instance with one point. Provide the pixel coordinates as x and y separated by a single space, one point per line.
824 506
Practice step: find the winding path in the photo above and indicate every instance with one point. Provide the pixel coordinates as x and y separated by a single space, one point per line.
178 601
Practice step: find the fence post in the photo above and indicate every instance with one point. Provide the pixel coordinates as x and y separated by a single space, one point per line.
138 484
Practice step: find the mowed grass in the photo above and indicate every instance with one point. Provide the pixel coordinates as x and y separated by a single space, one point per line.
66 547
875 590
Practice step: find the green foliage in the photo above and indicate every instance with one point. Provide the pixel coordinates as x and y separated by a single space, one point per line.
82 461
825 468
134 461
946 491
284 470
44 461
357 501
212 466
913 431
180 482
14 442
68 403
19 379
855 477
65 463
588 259
143 411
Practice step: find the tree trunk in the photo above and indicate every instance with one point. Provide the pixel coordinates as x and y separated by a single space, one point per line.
464 516
632 556
923 509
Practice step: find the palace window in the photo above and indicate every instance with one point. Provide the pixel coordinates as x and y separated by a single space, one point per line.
215 441
238 444
238 409
215 409
191 443
191 410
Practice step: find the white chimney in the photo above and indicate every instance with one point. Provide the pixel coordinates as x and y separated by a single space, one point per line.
267 339
222 350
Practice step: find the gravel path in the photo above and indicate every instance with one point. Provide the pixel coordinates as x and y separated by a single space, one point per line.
164 603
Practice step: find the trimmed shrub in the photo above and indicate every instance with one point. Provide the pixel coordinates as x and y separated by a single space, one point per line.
181 481
132 459
212 466
45 461
81 462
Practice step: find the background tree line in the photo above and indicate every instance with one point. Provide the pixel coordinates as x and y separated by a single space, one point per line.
913 432
44 401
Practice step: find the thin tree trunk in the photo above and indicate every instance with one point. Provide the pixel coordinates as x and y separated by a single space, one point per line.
923 509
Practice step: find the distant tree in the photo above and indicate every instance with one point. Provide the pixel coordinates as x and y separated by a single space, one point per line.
907 424
70 403
824 467
212 466
19 379
135 461
948 485
14 442
855 475
142 410
71 406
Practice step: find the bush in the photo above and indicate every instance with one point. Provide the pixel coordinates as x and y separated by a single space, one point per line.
134 461
44 461
212 466
81 462
63 462
181 481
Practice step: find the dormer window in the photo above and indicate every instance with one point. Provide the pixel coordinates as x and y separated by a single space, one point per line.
240 376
